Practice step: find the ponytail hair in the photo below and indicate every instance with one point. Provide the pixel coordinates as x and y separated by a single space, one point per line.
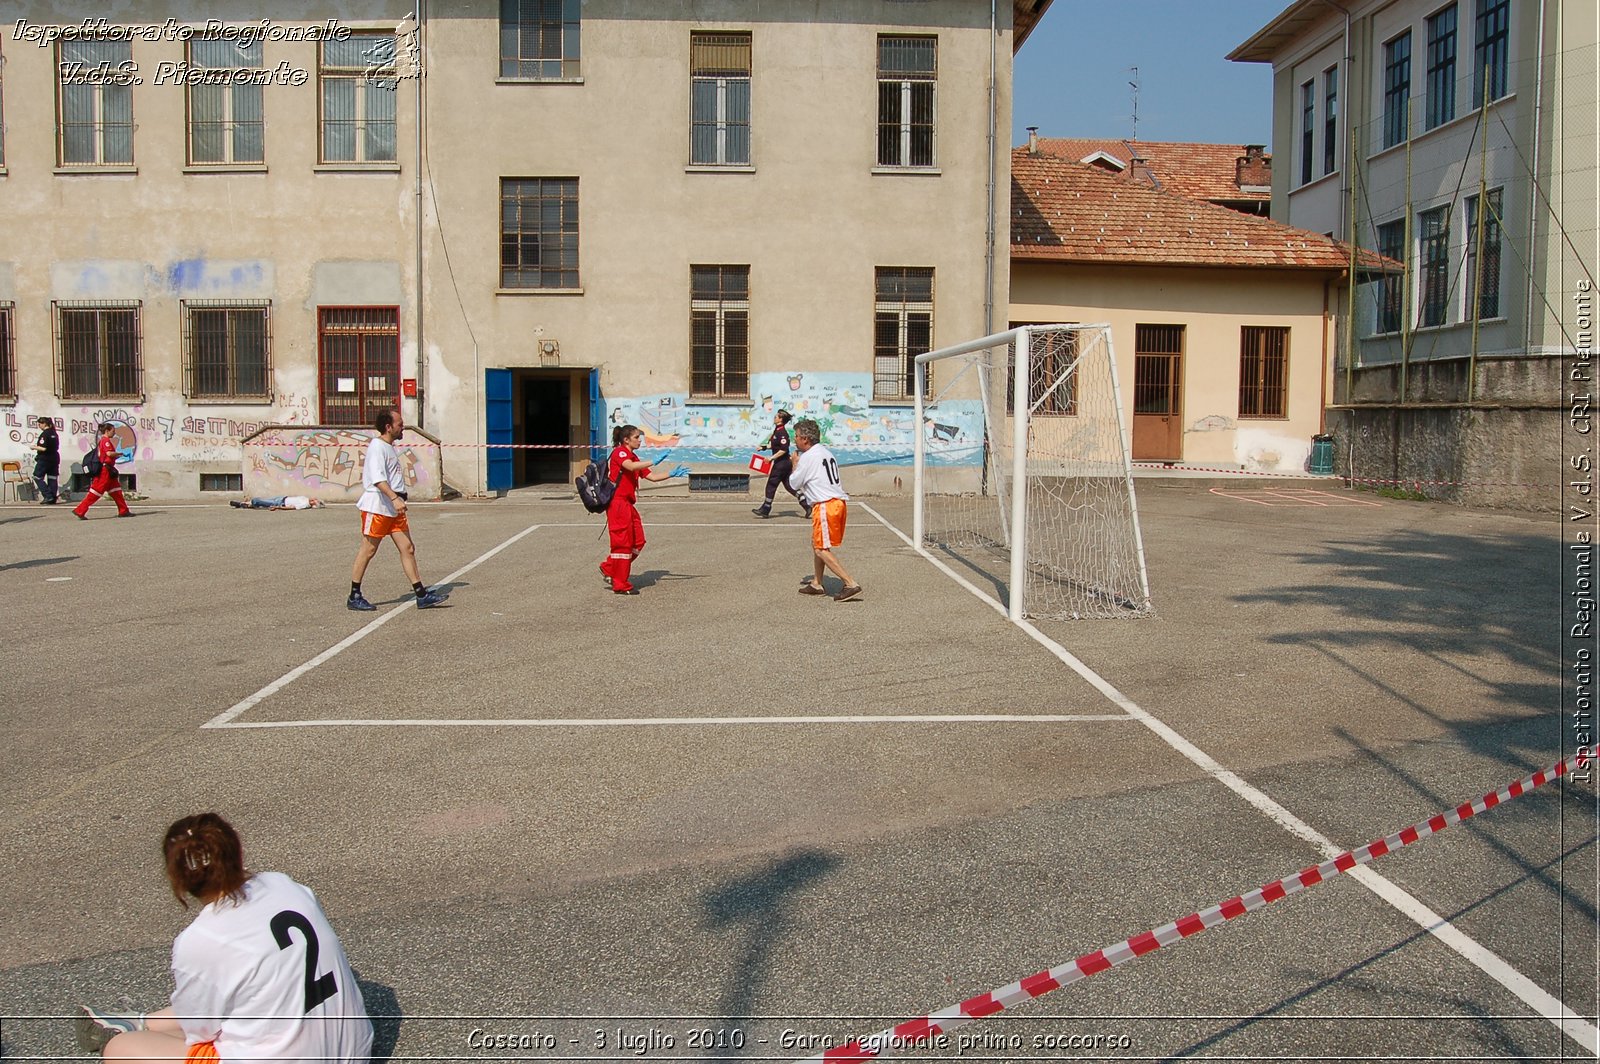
622 432
784 417
204 860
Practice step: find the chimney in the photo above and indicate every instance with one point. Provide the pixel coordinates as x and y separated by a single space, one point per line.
1253 169
1033 140
1139 169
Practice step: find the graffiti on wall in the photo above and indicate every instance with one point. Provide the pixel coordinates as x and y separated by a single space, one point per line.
326 462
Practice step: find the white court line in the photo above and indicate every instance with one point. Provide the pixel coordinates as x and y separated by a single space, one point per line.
668 722
1491 964
224 718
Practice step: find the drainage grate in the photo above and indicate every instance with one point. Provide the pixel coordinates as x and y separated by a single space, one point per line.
720 483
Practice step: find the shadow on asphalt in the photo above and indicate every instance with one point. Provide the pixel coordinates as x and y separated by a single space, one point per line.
34 563
383 1006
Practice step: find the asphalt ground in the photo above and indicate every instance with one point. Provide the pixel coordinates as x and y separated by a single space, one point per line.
714 821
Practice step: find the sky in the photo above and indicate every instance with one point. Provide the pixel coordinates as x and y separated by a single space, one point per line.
1071 76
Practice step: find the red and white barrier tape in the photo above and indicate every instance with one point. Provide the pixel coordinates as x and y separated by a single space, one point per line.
914 1033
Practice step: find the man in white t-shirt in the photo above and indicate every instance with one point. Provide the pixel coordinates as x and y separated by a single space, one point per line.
382 508
278 502
816 479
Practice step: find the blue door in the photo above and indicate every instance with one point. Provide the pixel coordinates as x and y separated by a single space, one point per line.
497 427
598 440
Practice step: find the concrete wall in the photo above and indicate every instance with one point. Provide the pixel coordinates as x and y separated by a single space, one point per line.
325 462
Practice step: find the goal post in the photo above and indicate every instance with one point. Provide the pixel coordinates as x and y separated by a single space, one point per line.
1021 472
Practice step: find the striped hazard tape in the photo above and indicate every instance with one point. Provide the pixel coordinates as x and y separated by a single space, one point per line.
922 1031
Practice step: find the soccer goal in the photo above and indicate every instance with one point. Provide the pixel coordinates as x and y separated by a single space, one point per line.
1030 498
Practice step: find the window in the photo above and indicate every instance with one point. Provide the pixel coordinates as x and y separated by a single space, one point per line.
98 350
719 331
1488 284
539 232
221 481
358 363
1392 244
1157 369
907 71
94 121
1308 127
357 83
225 119
1263 371
1433 251
1441 68
1330 120
1052 376
1397 90
1489 50
227 347
719 130
539 39
902 328
8 352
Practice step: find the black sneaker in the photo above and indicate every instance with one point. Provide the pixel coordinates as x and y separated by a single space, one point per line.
429 601
359 601
761 512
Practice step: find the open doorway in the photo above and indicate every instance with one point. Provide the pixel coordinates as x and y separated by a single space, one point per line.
549 411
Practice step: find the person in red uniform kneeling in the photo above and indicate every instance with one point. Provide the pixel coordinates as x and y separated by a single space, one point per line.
105 482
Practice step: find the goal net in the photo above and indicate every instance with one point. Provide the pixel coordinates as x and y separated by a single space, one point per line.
1030 500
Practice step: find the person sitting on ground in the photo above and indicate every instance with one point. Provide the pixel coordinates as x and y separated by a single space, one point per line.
278 502
259 973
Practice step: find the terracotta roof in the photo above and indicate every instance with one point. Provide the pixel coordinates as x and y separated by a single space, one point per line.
1204 171
1067 212
1025 15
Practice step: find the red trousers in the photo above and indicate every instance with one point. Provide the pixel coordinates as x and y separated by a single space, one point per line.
627 541
105 482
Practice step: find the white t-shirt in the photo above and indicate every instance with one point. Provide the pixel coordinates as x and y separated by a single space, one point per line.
816 475
297 502
383 464
266 979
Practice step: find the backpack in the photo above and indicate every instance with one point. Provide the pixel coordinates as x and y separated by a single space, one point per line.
595 488
91 463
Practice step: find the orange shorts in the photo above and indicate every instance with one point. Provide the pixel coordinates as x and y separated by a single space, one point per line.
378 525
827 524
202 1051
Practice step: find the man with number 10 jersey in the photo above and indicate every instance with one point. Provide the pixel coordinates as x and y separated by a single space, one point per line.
266 979
816 479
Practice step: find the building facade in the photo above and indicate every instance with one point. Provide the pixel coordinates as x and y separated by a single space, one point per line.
523 223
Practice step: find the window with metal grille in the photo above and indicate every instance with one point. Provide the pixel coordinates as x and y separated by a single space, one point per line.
358 363
225 117
1263 371
902 329
538 232
539 39
907 72
1330 120
94 103
1052 374
719 331
227 349
1157 356
1487 282
1441 106
1391 290
1308 127
357 87
1397 90
221 481
98 350
8 352
1489 37
1433 260
719 121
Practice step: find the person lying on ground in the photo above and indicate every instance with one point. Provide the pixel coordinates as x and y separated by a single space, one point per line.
278 502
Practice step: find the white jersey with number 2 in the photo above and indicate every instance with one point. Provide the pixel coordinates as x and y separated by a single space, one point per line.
266 979
816 476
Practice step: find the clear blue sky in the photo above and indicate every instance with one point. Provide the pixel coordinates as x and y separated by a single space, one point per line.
1071 77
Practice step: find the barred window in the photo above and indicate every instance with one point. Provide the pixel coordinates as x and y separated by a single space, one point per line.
1441 106
1263 371
1433 259
539 39
1330 120
1486 284
227 349
1397 90
94 103
539 232
98 350
1052 374
907 73
358 363
225 119
719 126
902 329
8 351
719 331
356 82
1391 291
1489 38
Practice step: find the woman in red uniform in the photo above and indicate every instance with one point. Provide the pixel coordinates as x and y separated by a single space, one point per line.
107 481
626 469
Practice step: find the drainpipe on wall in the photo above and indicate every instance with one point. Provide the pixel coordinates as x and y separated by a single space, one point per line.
422 336
1533 182
1322 407
1347 201
994 165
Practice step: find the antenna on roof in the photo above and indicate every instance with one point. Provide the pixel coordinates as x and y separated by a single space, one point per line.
1134 85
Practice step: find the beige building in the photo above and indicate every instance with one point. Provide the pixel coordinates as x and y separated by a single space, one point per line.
681 215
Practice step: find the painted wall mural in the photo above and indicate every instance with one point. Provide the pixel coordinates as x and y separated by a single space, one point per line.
325 462
854 428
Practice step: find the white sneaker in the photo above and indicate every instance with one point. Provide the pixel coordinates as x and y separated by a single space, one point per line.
95 1028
